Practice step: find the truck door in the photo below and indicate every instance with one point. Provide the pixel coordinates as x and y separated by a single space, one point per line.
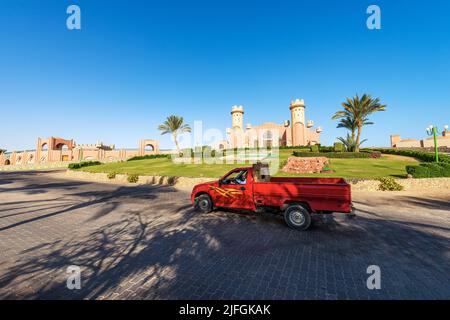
235 190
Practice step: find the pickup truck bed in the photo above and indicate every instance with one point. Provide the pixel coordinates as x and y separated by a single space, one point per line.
320 194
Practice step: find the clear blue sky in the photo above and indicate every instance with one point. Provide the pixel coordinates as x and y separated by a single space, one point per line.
136 62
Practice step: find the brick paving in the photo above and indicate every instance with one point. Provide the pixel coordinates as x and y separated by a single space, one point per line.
146 242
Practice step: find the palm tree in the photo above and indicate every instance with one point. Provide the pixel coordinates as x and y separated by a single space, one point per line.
357 111
2 151
174 125
350 143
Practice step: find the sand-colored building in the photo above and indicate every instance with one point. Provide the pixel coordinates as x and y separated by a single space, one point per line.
55 149
294 132
442 141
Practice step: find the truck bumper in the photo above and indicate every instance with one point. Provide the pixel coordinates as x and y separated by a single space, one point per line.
352 213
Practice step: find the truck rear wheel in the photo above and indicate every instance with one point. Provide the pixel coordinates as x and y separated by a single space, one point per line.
203 203
297 217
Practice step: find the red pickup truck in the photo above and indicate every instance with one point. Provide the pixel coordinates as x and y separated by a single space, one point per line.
252 188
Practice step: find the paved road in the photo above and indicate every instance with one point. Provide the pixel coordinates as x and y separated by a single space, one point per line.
146 242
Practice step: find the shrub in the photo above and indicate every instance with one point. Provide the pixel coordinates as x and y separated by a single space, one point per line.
342 155
111 175
389 184
150 156
339 147
375 154
314 148
83 164
429 170
188 152
132 178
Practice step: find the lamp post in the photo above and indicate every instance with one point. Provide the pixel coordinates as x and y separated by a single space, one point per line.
433 131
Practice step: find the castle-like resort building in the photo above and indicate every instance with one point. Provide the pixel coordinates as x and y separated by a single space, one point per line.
294 132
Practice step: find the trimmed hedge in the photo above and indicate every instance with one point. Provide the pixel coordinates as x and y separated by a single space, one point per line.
150 156
429 170
420 155
326 149
294 147
83 164
342 155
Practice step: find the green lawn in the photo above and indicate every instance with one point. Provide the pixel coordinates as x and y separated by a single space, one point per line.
387 165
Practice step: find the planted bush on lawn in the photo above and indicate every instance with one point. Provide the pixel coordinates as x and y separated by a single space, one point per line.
132 178
389 184
112 175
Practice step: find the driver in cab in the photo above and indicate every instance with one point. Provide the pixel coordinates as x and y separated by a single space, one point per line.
241 178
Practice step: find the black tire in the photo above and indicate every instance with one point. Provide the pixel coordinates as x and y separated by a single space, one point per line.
203 203
297 217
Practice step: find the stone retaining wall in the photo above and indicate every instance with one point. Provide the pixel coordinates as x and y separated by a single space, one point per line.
30 167
183 183
186 183
408 184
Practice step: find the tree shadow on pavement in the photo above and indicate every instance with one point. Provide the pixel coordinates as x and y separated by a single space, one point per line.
146 255
108 200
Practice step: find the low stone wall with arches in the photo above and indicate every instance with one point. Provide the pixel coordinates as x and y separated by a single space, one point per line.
58 150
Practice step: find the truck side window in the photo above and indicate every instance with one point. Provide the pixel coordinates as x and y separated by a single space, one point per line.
242 178
237 177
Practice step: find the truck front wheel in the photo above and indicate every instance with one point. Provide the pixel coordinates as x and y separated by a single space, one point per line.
203 203
297 217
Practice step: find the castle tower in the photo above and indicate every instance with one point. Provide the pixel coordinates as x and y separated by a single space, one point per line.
297 108
237 117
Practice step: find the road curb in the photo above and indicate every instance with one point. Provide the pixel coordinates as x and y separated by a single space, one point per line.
187 183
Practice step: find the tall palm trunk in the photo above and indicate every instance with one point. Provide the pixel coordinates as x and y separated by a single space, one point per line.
358 137
352 135
174 137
